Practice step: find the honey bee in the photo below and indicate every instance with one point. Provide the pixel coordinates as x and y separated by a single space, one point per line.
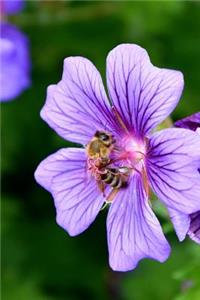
115 177
99 164
100 146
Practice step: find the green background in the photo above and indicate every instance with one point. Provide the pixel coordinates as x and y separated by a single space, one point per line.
39 260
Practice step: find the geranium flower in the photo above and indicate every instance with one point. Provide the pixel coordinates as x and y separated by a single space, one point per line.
15 62
11 7
192 122
188 224
141 97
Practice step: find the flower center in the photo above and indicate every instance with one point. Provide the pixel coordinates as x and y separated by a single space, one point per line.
112 161
132 152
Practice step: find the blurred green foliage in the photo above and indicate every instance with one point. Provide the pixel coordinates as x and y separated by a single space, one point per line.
39 260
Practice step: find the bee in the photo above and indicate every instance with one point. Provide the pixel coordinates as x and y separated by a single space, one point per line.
115 177
99 164
100 146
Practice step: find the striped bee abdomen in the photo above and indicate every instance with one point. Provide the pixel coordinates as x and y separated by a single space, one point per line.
114 178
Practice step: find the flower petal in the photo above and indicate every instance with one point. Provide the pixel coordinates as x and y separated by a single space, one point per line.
192 122
181 223
77 106
77 198
15 62
11 7
144 95
194 230
133 230
186 224
173 160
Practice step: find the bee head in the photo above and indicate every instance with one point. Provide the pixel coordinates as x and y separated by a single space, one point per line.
104 137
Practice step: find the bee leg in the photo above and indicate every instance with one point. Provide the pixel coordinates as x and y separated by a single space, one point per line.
101 186
112 195
104 205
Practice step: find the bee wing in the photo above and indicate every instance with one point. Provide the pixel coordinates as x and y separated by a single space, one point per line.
124 170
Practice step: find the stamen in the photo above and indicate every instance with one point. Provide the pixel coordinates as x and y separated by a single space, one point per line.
145 181
117 115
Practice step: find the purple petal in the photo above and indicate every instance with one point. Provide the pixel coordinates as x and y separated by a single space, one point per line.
186 224
133 230
77 198
192 122
77 106
198 131
11 7
15 62
181 223
194 230
144 95
172 165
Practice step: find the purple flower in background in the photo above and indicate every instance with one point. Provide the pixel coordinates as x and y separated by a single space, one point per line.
15 62
14 55
183 223
192 122
11 7
141 97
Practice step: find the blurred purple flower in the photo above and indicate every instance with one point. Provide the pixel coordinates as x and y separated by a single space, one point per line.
142 96
11 7
183 223
15 62
192 122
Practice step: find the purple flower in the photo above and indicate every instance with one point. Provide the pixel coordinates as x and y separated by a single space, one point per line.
15 62
183 223
192 122
141 97
11 7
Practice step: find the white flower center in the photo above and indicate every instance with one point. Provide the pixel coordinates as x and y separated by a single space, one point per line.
133 152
